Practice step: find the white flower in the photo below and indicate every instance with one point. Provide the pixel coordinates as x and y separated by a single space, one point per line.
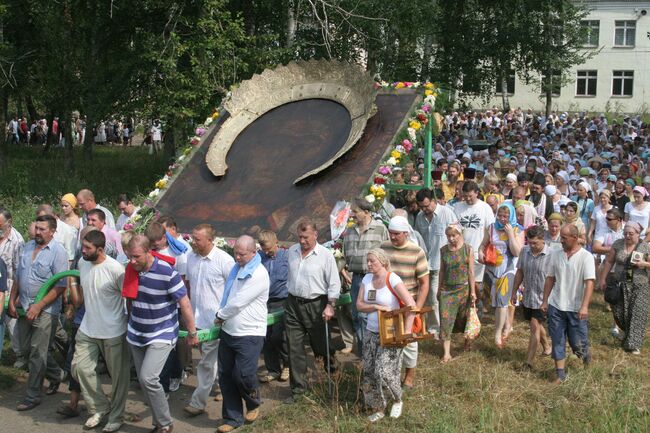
338 254
180 158
412 135
219 242
154 193
370 198
165 178
208 121
391 161
430 100
399 148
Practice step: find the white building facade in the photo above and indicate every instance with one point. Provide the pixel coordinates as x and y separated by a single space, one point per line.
616 78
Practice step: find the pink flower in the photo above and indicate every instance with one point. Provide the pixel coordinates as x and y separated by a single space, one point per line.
426 108
200 131
128 226
384 170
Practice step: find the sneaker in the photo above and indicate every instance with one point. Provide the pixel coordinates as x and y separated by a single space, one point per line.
396 410
94 420
193 411
284 376
376 416
166 429
268 378
174 384
112 427
635 352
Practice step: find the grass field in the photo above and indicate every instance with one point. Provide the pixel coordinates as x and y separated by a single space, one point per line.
32 178
487 390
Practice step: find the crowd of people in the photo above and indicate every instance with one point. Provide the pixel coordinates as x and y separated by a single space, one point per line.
552 210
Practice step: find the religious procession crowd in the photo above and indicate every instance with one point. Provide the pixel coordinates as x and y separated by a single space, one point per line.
552 210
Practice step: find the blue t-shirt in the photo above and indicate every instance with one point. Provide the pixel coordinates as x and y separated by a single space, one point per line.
154 316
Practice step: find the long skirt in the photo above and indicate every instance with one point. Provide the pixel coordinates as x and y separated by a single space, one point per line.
632 314
453 310
381 372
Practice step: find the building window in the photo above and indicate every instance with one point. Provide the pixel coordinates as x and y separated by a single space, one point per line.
555 82
622 83
592 30
624 33
586 83
510 83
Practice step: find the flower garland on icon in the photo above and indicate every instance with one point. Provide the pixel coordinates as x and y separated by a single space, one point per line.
409 140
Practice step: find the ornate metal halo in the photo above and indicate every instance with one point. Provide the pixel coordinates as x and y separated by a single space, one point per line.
345 83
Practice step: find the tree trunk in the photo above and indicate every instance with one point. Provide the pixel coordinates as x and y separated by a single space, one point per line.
292 24
67 134
48 136
31 109
425 74
549 101
4 148
504 93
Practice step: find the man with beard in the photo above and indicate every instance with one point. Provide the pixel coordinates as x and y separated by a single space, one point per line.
449 186
41 259
543 204
102 332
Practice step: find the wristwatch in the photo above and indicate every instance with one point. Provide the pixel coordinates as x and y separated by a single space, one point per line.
193 334
332 303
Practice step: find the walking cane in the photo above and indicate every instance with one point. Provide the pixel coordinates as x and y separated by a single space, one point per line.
327 349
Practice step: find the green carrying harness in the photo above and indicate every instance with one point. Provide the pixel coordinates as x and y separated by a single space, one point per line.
204 334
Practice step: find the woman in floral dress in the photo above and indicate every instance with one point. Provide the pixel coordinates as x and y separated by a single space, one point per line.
456 284
631 312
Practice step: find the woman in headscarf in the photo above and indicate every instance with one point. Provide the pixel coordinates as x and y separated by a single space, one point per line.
598 224
552 235
583 199
456 284
526 214
70 213
510 183
631 312
508 238
638 210
571 217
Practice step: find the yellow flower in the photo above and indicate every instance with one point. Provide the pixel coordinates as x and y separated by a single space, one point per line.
215 115
429 85
415 124
395 154
161 184
400 85
428 92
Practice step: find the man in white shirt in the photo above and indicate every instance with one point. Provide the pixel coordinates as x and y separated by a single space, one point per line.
431 223
170 225
102 332
86 202
65 233
127 211
474 215
242 316
314 287
208 268
567 292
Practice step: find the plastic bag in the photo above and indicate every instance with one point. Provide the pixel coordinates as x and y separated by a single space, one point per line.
473 325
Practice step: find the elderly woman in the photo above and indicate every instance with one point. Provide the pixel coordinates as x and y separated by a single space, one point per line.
631 312
381 290
456 284
509 184
507 236
598 226
638 210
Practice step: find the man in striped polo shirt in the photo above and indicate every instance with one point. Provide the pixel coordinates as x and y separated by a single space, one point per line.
153 325
409 262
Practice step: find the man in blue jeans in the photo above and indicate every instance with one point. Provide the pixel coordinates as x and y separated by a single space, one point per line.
567 291
242 316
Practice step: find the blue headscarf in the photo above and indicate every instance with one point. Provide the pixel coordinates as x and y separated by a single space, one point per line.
512 219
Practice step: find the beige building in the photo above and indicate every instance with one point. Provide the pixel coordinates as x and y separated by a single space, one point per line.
616 78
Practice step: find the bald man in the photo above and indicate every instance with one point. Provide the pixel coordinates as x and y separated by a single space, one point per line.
242 316
86 201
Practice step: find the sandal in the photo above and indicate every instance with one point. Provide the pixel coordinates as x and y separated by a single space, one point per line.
67 411
52 388
27 405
